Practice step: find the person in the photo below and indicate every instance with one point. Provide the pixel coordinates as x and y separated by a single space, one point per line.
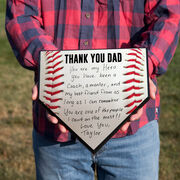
34 25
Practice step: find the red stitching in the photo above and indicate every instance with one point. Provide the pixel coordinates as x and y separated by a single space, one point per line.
131 88
52 100
134 95
51 61
133 66
132 80
53 93
138 59
134 60
49 67
54 85
134 54
52 107
53 55
129 112
54 78
133 72
136 51
48 52
54 71
132 103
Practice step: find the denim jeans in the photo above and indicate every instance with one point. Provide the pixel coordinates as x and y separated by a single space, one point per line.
134 157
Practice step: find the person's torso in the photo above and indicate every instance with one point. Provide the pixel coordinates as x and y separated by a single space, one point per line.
98 24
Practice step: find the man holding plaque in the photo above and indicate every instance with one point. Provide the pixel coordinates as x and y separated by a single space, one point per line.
34 25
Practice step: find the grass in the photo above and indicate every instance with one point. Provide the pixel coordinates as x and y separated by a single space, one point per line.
169 121
16 155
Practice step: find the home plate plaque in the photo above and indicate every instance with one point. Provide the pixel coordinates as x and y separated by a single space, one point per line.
92 92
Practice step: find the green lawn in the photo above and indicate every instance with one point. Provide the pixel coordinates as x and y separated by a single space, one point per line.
16 155
169 85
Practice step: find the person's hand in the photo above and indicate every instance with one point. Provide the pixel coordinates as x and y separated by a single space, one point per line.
51 118
139 113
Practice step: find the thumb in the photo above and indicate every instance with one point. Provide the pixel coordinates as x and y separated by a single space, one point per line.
34 92
153 89
125 126
62 128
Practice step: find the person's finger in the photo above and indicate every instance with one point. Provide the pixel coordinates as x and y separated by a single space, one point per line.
152 89
54 120
132 118
51 118
34 92
62 128
125 126
137 115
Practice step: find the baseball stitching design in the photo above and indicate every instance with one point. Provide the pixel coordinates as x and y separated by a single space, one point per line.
134 79
52 80
133 84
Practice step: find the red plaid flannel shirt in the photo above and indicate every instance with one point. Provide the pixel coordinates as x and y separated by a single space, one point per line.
34 25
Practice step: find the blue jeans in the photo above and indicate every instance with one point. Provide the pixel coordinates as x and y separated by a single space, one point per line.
134 157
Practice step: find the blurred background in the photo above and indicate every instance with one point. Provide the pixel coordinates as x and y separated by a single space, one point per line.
16 155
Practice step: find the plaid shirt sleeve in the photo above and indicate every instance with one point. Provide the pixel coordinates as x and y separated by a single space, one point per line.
162 19
25 33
